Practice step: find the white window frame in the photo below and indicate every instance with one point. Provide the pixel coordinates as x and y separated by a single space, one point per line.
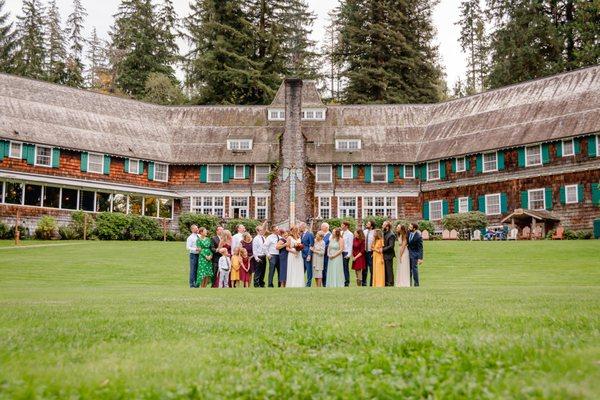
575 188
385 174
239 144
529 198
310 114
265 207
564 153
36 163
344 211
389 211
597 145
429 171
166 172
441 204
344 167
208 174
527 148
199 208
488 197
136 162
345 144
412 175
463 205
88 169
318 167
235 171
322 207
483 162
10 150
464 164
276 114
256 173
245 209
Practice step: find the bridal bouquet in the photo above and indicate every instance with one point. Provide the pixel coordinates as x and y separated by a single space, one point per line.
299 247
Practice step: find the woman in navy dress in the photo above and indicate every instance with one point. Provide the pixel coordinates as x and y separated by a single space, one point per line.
283 256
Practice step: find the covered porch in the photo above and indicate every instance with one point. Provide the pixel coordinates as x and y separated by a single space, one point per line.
539 222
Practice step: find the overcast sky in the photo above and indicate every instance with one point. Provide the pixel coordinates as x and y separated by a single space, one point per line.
446 14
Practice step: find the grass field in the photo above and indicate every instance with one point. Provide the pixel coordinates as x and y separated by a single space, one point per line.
116 320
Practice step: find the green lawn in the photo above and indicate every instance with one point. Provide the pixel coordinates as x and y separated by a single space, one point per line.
116 320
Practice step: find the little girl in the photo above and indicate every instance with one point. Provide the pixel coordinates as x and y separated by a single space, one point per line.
245 273
236 262
318 256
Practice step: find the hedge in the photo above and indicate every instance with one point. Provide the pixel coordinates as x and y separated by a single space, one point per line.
47 228
249 224
470 220
188 219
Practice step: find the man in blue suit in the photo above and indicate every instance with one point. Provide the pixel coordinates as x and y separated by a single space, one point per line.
415 252
326 238
308 240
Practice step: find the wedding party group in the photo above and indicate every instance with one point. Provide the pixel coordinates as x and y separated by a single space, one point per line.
296 257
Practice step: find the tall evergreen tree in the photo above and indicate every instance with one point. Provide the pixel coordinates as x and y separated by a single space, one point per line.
96 55
331 58
168 30
7 40
56 53
31 54
473 41
75 65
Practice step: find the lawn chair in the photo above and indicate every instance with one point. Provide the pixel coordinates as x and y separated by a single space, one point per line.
453 234
445 234
526 233
476 235
560 231
537 233
425 235
513 234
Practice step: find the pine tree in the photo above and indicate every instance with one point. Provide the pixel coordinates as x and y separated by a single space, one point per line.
75 65
7 40
96 55
473 41
31 54
167 24
586 28
331 58
56 53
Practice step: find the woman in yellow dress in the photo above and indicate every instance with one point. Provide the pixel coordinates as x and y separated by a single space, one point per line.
378 266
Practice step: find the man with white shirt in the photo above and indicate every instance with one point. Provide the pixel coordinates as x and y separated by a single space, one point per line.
348 240
260 258
272 253
194 253
369 239
236 239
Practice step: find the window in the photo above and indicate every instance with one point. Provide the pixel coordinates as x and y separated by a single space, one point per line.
409 171
325 207
323 173
150 206
346 171
597 145
461 165
103 201
319 114
95 163
69 199
15 150
43 156
379 173
436 210
51 197
135 206
13 193
379 206
211 205
134 166
463 205
165 208
571 194
33 195
239 144
261 173
568 148
119 203
537 199
161 172
214 173
346 207
533 155
276 115
313 114
262 208
86 200
492 204
490 162
433 171
348 144
239 171
239 207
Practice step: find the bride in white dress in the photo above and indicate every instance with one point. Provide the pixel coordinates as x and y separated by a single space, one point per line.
403 275
295 263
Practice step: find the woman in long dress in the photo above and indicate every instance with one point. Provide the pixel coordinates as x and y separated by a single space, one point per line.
335 267
295 263
318 259
358 255
205 271
378 265
403 275
283 257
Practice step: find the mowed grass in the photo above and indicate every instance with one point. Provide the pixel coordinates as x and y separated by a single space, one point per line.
117 320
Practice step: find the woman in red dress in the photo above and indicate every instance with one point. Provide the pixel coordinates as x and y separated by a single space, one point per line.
358 255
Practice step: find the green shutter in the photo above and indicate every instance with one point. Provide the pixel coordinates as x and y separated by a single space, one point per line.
426 211
55 157
126 165
203 172
545 153
106 164
444 208
442 165
339 171
500 160
28 153
577 146
482 204
227 173
580 195
559 148
467 164
563 195
355 171
401 171
596 194
525 199
390 173
453 165
479 165
548 198
456 205
151 170
84 162
246 172
469 204
368 173
141 166
521 156
503 203
424 172
592 146
4 149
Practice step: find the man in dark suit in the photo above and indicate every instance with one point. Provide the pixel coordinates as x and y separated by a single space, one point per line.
389 252
308 240
214 248
415 252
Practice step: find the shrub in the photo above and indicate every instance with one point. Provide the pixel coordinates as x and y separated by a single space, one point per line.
470 220
77 223
584 235
337 223
426 225
67 232
47 228
111 226
24 232
377 219
3 230
187 219
143 228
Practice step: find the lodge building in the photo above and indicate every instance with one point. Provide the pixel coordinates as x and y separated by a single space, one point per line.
533 145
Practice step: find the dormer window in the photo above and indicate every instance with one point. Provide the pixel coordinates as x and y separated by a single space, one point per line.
277 115
313 114
239 144
347 144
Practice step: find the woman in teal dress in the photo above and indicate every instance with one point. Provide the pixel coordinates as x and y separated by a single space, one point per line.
205 271
335 268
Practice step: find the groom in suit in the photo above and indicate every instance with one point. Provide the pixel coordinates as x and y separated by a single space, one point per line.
308 240
415 252
389 252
